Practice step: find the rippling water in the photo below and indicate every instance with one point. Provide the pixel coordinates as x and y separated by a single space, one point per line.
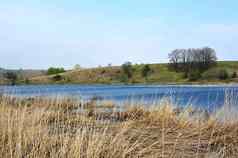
203 96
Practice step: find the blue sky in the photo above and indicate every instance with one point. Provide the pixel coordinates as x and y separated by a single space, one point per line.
41 33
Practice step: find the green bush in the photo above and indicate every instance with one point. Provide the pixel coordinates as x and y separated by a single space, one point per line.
223 74
128 69
210 74
216 73
103 71
27 81
234 75
124 78
11 76
185 75
57 78
194 75
53 70
146 70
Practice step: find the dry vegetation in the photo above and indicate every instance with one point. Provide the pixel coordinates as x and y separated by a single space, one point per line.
43 128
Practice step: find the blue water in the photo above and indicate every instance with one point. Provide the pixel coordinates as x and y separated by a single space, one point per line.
210 97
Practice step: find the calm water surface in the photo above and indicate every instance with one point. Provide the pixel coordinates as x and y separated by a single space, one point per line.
209 97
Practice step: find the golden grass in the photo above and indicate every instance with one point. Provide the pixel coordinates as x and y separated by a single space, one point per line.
43 128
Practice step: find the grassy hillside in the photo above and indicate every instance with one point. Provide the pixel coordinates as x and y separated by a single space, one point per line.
159 74
22 75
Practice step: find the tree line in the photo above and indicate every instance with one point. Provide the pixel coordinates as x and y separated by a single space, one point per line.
192 61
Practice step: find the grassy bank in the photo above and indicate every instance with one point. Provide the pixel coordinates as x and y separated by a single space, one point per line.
40 127
159 74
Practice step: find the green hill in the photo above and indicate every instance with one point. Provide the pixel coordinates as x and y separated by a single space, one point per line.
160 74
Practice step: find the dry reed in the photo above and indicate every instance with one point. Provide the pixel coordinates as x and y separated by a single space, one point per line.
43 128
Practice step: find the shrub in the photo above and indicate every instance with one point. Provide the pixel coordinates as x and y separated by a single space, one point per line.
223 74
216 73
146 70
27 81
57 78
127 69
68 79
194 75
124 78
53 70
185 75
103 71
11 76
210 74
234 75
118 71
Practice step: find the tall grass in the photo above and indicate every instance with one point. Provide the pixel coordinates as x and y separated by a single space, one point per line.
43 128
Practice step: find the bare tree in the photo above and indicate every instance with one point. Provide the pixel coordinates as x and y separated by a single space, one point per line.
174 58
187 60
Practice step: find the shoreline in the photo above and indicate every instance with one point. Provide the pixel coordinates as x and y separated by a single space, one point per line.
132 84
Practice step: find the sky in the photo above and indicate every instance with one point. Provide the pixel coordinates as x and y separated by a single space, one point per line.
37 34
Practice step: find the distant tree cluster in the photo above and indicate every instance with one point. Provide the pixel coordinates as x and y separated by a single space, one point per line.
11 76
192 61
146 70
127 69
53 70
130 71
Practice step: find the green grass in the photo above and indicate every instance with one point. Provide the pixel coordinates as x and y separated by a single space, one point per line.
113 75
228 64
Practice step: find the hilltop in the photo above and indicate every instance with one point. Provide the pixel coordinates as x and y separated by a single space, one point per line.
223 72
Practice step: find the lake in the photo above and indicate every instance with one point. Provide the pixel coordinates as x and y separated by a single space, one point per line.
209 97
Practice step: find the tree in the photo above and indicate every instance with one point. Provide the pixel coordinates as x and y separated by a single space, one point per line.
145 70
207 58
53 70
188 60
174 58
11 76
128 69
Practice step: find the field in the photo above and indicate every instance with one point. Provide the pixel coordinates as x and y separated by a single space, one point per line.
63 127
160 74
